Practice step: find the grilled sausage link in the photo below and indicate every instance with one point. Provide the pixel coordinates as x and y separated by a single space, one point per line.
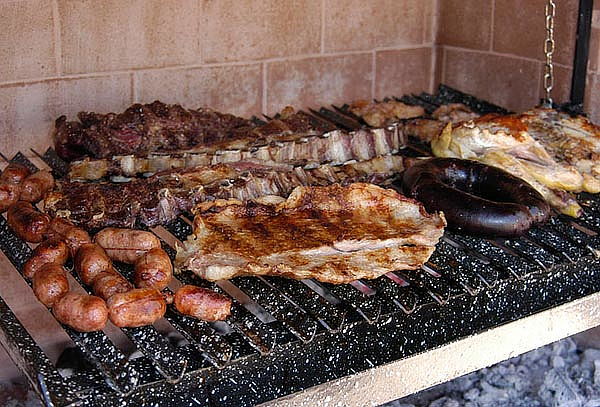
73 236
202 303
153 270
109 283
36 186
126 245
50 284
475 198
10 184
138 307
82 312
53 250
28 223
90 261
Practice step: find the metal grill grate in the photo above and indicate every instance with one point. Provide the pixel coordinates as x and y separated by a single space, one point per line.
285 335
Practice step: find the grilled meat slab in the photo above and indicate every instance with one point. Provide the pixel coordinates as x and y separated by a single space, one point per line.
161 198
378 114
556 154
334 234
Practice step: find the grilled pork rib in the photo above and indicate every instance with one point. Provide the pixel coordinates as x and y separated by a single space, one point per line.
334 234
161 198
556 154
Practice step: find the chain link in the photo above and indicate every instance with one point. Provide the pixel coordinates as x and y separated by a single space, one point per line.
550 10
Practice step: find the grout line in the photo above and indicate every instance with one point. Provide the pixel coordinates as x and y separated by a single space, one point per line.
444 60
501 54
374 74
57 38
492 28
264 88
134 88
323 5
432 69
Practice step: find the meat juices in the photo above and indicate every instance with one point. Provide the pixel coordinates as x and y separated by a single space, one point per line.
202 303
53 250
82 312
153 270
126 245
50 284
27 222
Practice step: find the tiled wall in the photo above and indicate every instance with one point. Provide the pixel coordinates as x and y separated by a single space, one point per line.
243 56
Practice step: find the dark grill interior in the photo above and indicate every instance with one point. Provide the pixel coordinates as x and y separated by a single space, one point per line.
318 332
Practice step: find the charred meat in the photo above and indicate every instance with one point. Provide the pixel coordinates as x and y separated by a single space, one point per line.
334 234
379 114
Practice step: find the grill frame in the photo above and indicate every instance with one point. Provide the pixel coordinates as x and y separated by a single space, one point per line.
370 339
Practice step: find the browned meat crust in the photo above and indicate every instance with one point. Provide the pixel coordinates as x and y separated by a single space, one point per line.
334 234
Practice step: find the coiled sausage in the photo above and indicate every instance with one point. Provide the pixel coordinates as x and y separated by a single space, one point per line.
27 222
153 269
126 245
53 250
82 312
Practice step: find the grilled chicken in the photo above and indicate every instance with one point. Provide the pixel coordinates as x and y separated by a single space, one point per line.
378 114
334 234
556 154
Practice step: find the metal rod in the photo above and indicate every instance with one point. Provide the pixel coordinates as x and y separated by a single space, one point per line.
582 49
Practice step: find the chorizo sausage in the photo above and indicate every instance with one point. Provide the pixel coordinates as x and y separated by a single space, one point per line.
27 222
202 303
108 283
14 173
475 198
153 269
73 236
126 245
50 284
82 312
138 307
36 186
10 184
90 261
53 250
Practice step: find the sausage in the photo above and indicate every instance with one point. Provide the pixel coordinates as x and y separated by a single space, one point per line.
138 307
14 173
36 186
73 236
475 198
28 223
153 269
108 283
53 250
82 312
202 303
126 245
10 184
50 284
90 261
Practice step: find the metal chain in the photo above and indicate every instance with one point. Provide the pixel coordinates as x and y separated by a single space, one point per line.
549 51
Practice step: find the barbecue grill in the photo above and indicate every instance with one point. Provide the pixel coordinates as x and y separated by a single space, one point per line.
475 302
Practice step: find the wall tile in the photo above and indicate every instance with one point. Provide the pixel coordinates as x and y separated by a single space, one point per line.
465 23
235 89
509 82
114 35
29 110
430 20
594 61
318 81
592 99
562 84
361 25
404 71
26 40
238 30
519 28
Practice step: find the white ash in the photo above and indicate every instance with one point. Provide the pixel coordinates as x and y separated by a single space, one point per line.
559 375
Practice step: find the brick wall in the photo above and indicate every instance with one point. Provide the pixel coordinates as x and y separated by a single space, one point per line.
494 49
243 56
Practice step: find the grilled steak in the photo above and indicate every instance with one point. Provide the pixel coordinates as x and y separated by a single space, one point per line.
295 148
556 154
161 198
334 234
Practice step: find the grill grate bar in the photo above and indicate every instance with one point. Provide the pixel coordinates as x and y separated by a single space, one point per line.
403 296
343 122
560 245
261 337
451 95
580 238
369 307
60 167
530 251
447 261
292 317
